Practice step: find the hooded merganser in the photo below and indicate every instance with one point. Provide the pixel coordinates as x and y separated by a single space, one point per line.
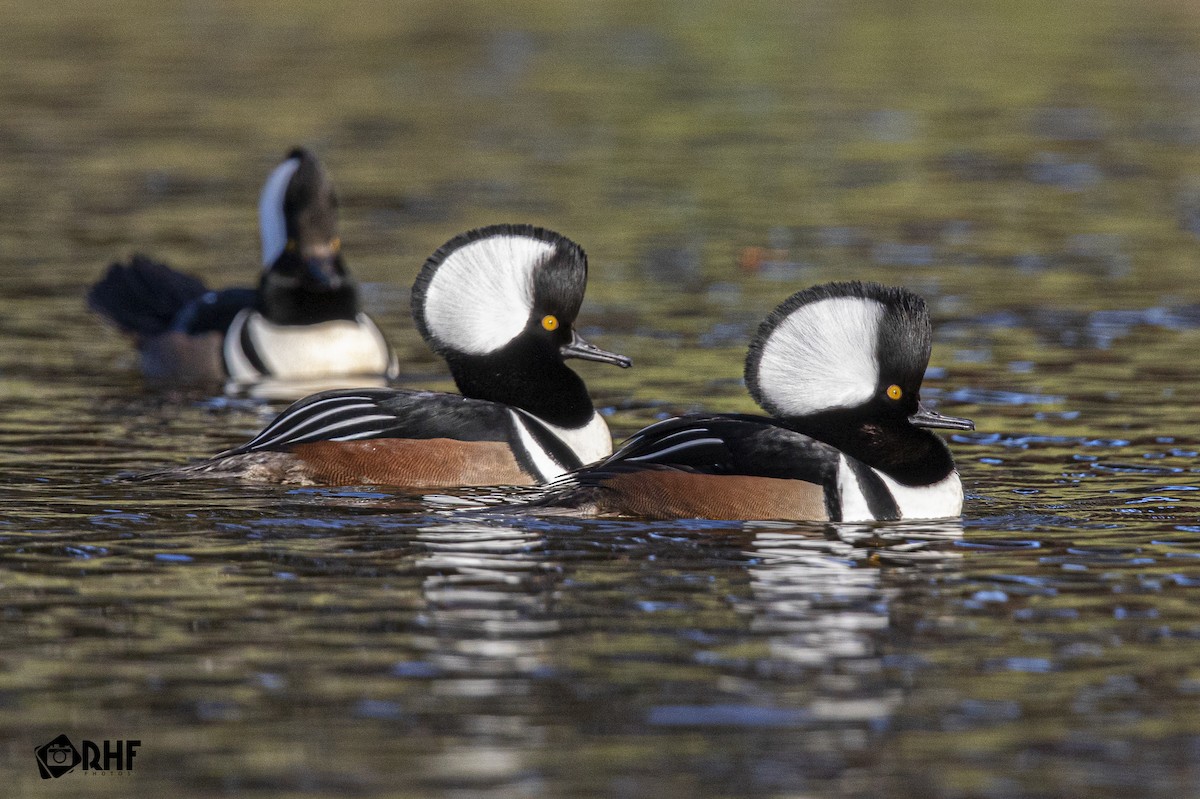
839 368
302 322
498 303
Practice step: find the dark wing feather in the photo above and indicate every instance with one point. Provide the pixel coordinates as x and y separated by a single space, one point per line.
694 443
725 445
356 414
144 296
752 446
214 311
148 298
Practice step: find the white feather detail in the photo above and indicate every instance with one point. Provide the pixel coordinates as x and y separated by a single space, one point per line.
480 297
360 435
547 468
686 445
236 363
296 430
302 352
851 496
822 356
322 433
686 433
939 500
287 419
272 225
590 443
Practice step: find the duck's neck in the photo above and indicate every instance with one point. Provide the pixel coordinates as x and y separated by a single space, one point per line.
908 454
287 301
543 386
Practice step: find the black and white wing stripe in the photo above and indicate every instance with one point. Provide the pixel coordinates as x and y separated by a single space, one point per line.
682 443
750 446
363 413
330 416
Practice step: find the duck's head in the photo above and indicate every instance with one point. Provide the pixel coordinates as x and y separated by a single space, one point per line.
298 222
503 287
850 354
499 304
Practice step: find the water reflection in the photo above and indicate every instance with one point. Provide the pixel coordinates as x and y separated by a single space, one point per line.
488 589
793 638
482 633
825 606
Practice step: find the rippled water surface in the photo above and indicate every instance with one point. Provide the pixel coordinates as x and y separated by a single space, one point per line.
1034 171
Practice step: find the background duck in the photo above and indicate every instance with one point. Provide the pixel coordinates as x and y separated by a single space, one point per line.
301 323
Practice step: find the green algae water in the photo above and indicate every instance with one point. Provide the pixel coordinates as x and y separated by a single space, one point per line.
1032 169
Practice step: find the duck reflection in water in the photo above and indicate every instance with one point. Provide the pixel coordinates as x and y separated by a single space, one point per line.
518 631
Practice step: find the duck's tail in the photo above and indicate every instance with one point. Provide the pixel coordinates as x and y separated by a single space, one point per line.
143 297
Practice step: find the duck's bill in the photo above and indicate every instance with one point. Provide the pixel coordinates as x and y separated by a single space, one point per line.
927 418
323 274
322 264
580 348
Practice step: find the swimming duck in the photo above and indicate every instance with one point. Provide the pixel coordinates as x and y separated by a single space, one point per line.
839 369
302 322
499 304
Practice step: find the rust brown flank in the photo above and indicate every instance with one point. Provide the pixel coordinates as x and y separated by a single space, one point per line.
669 494
413 463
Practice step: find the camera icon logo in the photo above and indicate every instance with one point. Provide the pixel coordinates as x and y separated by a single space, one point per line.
57 757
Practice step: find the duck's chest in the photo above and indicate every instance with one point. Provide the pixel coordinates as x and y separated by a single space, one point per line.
255 348
863 492
551 451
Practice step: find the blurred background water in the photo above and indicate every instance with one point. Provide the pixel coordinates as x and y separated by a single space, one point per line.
1032 168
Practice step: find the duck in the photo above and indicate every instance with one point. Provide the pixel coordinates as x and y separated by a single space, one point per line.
499 304
839 369
302 322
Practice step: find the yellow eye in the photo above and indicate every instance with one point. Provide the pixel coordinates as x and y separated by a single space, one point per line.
550 322
336 244
290 246
894 392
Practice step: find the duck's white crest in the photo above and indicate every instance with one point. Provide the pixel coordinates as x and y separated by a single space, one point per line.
481 295
272 225
822 356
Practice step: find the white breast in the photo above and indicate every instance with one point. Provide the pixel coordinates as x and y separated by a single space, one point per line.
305 352
937 501
590 442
